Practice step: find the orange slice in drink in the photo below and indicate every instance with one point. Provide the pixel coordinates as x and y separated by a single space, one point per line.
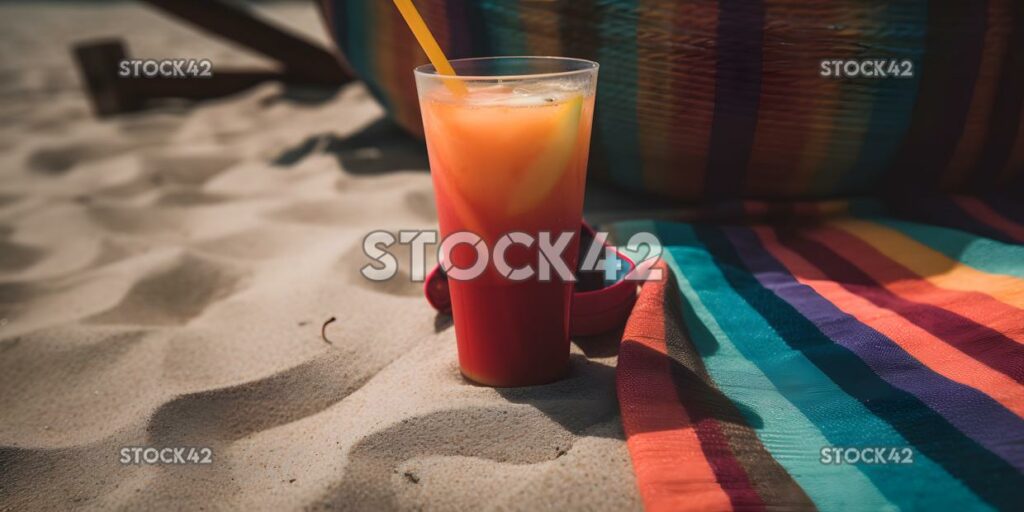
539 179
501 158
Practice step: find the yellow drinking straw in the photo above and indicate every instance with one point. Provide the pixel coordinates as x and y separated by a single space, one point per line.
429 44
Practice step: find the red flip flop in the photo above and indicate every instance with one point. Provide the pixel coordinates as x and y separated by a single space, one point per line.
601 308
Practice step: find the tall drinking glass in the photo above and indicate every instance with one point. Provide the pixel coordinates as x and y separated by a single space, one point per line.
508 140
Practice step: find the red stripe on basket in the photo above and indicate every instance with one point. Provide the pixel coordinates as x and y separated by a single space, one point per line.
693 89
795 98
985 214
386 25
984 121
1012 174
655 85
1004 148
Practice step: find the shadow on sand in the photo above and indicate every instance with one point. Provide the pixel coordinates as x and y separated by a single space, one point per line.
379 148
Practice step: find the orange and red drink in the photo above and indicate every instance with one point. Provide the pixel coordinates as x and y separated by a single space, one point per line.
508 154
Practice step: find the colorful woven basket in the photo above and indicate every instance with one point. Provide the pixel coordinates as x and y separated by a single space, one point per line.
705 100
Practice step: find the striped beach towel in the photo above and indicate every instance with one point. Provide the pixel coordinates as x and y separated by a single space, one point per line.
863 361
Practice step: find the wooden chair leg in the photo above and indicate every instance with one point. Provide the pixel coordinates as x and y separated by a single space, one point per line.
300 58
113 94
97 64
300 62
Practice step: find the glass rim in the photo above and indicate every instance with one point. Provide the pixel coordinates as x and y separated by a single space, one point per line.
429 71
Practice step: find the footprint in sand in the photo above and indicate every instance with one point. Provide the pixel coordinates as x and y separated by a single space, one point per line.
187 169
6 199
58 120
421 203
401 284
88 474
112 250
58 392
17 297
135 132
187 197
57 160
127 220
15 257
542 426
151 126
175 294
416 208
228 414
506 435
263 242
329 212
178 178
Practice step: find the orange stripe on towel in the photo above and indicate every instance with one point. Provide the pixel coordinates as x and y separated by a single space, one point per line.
935 266
919 343
672 471
905 283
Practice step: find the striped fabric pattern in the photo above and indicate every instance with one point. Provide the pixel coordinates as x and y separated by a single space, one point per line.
770 341
712 100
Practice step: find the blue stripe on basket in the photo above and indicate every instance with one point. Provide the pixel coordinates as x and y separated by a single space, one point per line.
347 36
956 37
478 30
616 121
507 33
354 27
893 98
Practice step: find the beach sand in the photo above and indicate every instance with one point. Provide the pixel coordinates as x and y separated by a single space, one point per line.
164 277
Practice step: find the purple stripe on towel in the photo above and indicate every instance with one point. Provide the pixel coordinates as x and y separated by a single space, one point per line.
970 411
